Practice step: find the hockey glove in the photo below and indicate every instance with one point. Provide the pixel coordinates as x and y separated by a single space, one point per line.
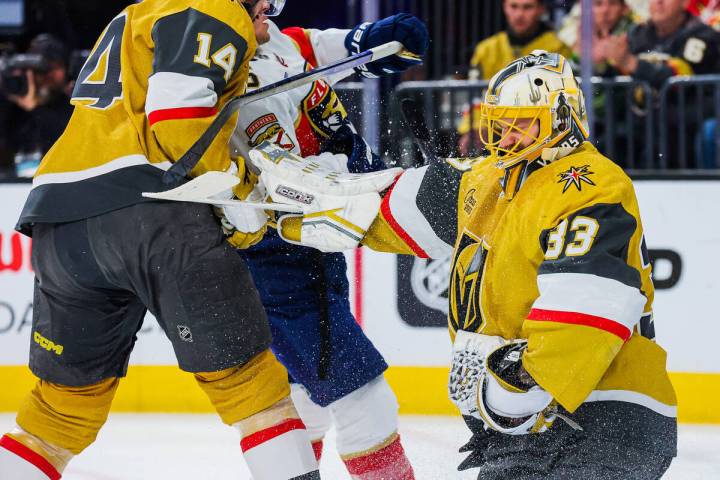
478 386
510 401
339 207
243 226
404 28
470 351
360 157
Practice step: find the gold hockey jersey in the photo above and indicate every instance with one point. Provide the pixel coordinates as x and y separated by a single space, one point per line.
153 83
563 264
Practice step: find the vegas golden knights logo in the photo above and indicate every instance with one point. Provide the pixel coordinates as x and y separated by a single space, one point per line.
465 285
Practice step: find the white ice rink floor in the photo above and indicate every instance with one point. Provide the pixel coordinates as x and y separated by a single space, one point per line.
199 447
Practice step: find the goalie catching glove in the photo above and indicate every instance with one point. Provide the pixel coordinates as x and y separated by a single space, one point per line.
487 382
339 207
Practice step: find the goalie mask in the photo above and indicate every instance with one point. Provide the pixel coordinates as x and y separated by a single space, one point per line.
533 109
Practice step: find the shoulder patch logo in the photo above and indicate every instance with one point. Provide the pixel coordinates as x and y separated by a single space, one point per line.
576 176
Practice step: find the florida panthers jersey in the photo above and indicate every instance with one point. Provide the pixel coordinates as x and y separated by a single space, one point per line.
153 83
299 120
301 288
563 264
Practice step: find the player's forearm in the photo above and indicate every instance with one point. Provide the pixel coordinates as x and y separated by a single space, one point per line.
568 361
328 45
382 238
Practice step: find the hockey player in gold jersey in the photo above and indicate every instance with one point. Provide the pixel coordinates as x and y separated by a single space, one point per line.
104 255
555 367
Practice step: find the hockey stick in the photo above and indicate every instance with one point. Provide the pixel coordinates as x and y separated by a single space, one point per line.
414 117
201 190
179 171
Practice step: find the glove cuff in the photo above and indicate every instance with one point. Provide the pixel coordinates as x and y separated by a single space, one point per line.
356 41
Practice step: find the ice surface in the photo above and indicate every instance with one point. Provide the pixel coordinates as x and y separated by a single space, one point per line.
178 447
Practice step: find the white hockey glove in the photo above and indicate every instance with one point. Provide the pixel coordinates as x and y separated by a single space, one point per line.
488 383
470 351
339 207
244 226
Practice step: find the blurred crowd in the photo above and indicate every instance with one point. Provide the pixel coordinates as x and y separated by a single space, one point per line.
648 40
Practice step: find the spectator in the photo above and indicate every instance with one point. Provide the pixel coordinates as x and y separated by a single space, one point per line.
610 18
671 42
526 32
706 10
39 105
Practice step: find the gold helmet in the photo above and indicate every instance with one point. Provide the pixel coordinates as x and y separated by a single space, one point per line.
533 109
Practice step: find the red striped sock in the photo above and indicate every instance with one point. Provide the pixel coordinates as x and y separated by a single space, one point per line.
317 448
389 462
280 451
25 455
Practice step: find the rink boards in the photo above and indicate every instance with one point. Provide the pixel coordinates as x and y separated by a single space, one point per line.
400 303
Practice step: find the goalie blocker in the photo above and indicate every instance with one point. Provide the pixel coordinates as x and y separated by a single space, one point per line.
339 207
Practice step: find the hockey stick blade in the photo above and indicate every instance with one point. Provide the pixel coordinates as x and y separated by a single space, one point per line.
414 118
201 189
203 186
180 170
277 207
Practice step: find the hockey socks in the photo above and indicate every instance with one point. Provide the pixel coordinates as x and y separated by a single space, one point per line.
317 447
388 462
280 451
18 461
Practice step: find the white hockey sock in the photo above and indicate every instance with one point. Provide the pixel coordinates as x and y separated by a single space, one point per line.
280 452
19 462
366 421
317 419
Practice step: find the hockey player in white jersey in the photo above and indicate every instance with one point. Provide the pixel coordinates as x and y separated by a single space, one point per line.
338 372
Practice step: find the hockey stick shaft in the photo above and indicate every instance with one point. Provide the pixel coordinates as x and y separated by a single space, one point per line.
179 171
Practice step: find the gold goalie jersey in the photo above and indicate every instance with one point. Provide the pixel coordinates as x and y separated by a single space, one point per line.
564 265
153 83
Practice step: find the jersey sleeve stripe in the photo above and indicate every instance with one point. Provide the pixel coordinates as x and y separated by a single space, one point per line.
302 39
577 318
93 172
399 231
590 297
181 114
400 207
186 95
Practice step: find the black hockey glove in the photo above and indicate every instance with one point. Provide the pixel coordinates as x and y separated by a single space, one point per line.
402 27
361 158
